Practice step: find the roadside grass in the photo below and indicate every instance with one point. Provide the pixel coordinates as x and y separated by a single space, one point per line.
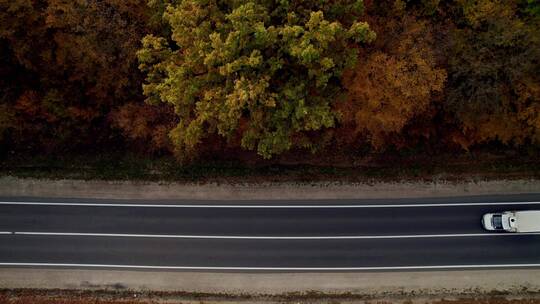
167 169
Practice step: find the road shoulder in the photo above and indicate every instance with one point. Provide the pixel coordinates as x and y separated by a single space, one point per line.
17 187
370 284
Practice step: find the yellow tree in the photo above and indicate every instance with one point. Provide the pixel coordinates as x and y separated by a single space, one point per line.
265 71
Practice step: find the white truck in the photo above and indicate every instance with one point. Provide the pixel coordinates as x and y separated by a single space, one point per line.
513 221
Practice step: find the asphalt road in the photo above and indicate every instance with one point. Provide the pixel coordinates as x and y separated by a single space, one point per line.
264 235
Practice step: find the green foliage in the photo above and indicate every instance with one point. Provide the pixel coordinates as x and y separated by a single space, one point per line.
532 7
264 71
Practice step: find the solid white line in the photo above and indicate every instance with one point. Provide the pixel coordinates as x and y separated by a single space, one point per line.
242 237
432 267
269 206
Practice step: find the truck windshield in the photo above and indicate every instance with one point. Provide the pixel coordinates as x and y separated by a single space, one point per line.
496 221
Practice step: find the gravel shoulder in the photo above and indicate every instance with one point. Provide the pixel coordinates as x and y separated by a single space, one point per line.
20 187
361 285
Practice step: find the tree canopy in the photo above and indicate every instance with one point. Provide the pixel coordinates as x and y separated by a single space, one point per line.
494 88
265 71
270 77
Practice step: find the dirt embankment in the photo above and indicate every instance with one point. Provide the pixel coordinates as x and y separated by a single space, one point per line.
123 287
33 296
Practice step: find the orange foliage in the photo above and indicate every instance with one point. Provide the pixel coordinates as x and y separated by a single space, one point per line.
96 44
494 90
147 125
78 61
393 84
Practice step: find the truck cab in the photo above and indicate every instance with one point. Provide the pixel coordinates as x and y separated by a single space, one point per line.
512 221
503 221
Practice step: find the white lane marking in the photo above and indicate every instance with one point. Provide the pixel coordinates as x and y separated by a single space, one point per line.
269 206
247 237
218 268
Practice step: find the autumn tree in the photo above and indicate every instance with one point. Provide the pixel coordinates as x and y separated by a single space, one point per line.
146 126
395 82
494 84
9 77
83 43
95 44
264 71
78 61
